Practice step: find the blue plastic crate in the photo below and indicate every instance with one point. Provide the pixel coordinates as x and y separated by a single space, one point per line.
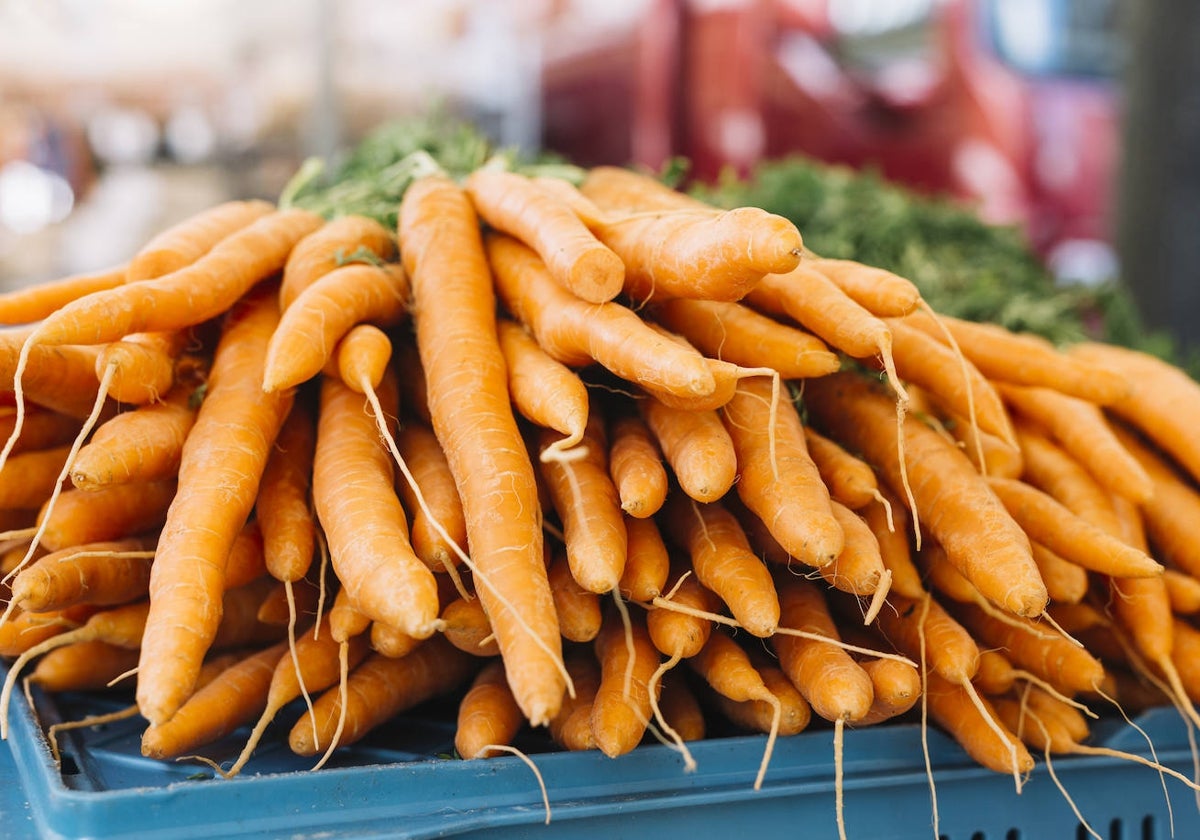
397 785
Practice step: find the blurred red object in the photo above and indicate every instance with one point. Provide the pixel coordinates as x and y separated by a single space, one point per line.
1010 105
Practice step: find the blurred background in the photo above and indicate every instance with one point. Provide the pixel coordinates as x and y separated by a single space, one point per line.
1072 120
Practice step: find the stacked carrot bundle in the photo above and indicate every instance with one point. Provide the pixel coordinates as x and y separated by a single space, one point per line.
557 445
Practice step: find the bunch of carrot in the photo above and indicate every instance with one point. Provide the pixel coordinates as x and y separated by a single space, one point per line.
596 458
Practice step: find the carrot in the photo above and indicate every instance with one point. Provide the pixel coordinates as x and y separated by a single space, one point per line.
186 241
831 681
724 562
488 714
468 628
578 608
1080 428
143 365
1066 582
286 601
990 454
895 688
577 333
882 292
1183 590
635 465
571 727
622 705
960 510
1055 659
362 518
681 709
110 513
728 670
420 450
413 393
888 521
951 707
647 562
343 240
391 642
1075 539
42 428
282 508
324 312
1027 359
850 480
186 297
514 204
345 620
859 568
29 478
586 501
472 418
83 666
544 391
1159 401
378 689
777 478
950 650
996 675
221 464
231 699
738 334
923 360
696 445
1175 506
102 573
703 253
245 563
143 444
59 378
33 303
759 715
682 632
239 626
811 299
25 630
1054 471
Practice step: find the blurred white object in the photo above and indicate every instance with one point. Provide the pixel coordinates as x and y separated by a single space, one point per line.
32 198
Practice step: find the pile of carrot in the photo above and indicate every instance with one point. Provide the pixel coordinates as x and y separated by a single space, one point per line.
594 458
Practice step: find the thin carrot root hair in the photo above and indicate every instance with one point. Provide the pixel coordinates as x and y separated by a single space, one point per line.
291 637
776 391
76 445
887 508
343 699
566 450
627 625
1060 630
924 672
1035 680
962 363
1153 752
18 397
1054 776
91 720
533 767
322 584
839 792
676 740
122 677
776 716
993 725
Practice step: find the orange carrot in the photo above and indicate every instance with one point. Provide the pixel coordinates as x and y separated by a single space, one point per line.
586 501
1066 582
859 568
143 444
571 727
33 303
1054 471
950 650
282 508
488 714
544 391
83 666
831 681
186 241
233 698
427 462
895 686
346 239
41 429
364 523
621 708
889 523
626 191
776 476
724 562
59 378
850 480
759 715
681 708
676 633
514 204
29 478
578 608
378 689
221 464
696 445
954 711
103 573
110 513
324 312
143 365
1082 431
24 630
578 333
960 510
467 627
738 334
471 415
635 464
1183 590
882 292
1075 539
646 561
345 620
